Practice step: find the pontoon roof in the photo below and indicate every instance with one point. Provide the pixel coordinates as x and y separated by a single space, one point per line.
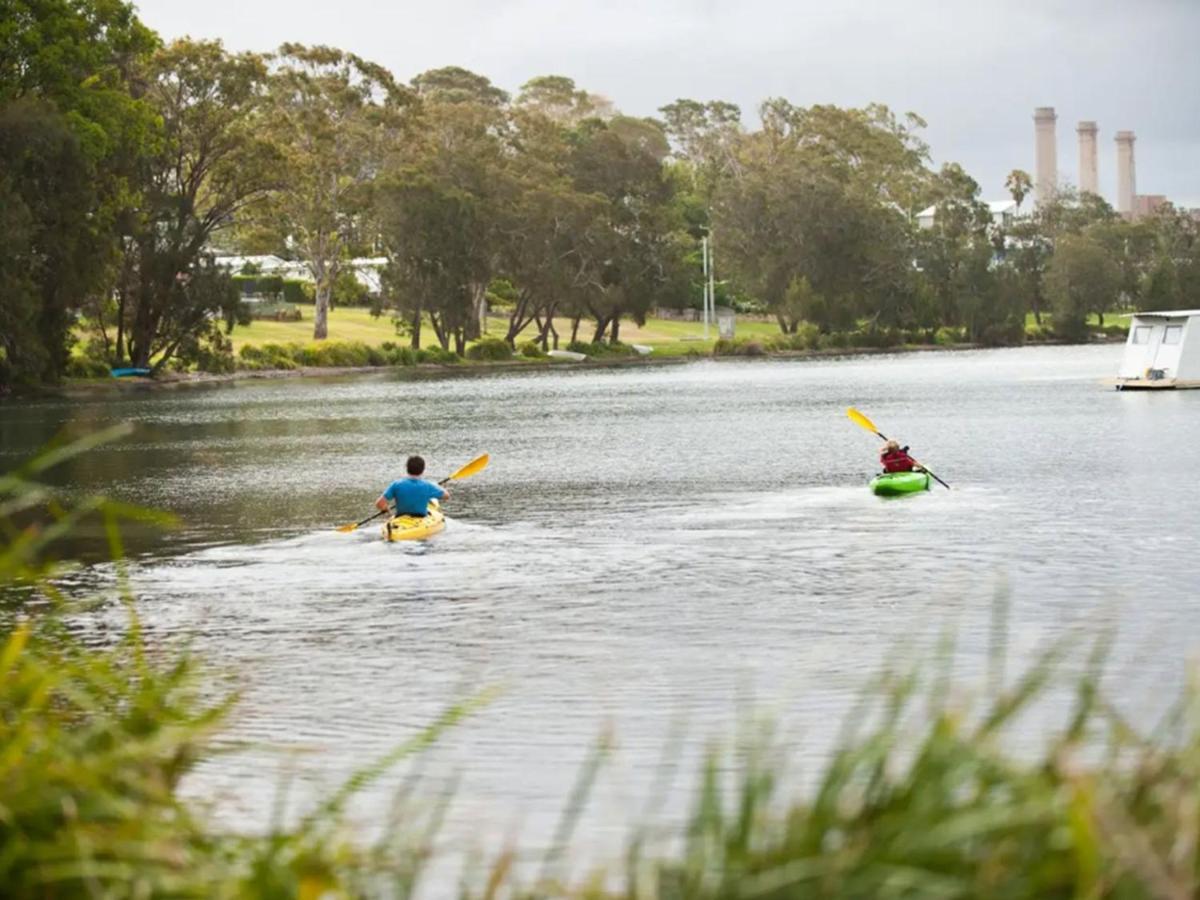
1163 314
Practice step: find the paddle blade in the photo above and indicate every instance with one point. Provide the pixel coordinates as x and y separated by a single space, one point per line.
353 525
862 421
474 467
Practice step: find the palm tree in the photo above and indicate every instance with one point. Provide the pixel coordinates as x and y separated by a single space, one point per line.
1019 185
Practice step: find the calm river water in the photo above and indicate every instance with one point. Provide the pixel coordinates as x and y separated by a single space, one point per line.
650 549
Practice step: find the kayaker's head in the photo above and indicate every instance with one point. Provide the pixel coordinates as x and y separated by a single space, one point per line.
891 446
415 466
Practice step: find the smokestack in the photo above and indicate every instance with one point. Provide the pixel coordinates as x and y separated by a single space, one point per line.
1047 153
1126 174
1089 170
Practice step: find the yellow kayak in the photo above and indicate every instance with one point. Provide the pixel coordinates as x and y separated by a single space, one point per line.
415 528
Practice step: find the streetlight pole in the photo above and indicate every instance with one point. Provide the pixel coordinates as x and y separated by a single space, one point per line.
712 283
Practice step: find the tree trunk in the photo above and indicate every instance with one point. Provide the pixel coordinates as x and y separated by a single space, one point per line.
165 356
575 328
321 315
545 328
122 294
415 326
119 350
477 326
519 319
439 329
615 334
141 334
460 341
601 328
103 326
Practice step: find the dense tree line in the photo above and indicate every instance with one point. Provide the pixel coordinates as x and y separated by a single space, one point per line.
125 161
1075 257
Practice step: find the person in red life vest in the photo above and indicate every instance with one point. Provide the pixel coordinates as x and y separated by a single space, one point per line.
895 458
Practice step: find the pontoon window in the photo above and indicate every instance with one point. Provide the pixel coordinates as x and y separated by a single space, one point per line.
1141 334
1173 335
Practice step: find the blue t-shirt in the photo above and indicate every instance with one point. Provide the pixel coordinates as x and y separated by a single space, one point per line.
412 495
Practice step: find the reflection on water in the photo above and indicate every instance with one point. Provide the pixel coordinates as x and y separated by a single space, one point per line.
648 547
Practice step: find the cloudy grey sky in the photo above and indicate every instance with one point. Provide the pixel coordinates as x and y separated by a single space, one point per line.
974 70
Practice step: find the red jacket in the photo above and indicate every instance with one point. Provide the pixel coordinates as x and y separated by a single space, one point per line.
897 461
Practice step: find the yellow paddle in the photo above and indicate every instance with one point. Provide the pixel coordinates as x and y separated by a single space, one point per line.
859 419
474 467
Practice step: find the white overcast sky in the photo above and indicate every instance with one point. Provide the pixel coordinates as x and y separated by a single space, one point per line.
974 69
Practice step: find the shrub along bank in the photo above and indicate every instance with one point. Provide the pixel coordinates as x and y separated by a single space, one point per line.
807 338
337 354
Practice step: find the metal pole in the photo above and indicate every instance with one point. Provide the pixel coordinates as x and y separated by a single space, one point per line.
712 284
704 255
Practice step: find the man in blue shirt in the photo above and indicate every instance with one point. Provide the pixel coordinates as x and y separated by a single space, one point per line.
411 495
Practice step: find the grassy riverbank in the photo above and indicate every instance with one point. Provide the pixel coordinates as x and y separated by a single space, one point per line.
361 342
666 336
922 797
327 364
357 324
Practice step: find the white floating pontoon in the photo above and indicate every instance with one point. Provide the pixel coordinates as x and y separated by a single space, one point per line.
1162 351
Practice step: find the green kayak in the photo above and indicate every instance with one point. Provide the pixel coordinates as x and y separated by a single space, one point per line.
896 483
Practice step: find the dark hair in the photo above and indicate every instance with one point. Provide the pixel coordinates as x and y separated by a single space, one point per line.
415 465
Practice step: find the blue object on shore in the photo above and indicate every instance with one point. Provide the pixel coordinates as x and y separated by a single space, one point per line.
125 373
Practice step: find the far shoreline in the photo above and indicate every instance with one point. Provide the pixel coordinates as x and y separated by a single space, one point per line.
90 387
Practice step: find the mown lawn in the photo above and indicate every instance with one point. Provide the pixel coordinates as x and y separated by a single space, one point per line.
345 324
1093 320
667 336
356 324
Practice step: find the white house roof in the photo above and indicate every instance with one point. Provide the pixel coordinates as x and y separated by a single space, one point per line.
265 263
1163 314
995 207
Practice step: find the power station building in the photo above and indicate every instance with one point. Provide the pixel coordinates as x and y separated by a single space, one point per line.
1129 203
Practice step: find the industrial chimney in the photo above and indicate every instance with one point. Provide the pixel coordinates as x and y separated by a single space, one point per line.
1089 172
1126 174
1047 153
